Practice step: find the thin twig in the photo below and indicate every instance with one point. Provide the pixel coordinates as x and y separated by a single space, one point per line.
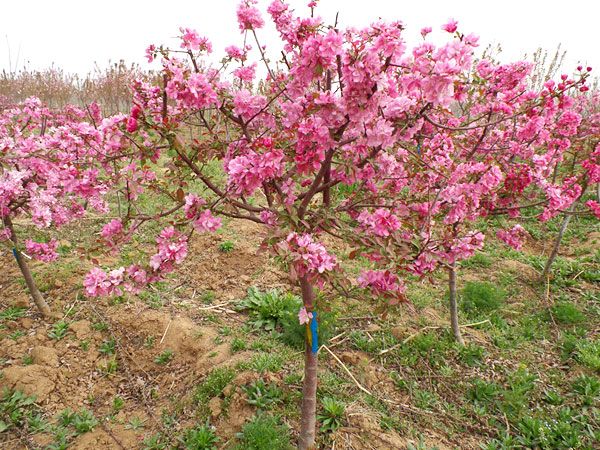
347 371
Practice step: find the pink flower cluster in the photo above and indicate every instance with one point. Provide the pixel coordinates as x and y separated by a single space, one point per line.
249 17
249 171
172 249
112 232
98 283
190 40
304 317
309 258
381 282
513 237
380 223
43 251
207 222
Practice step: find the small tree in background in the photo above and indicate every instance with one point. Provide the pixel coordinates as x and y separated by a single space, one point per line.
51 172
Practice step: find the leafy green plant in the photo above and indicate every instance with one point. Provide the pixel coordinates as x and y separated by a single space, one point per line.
515 398
268 308
588 353
471 354
332 414
155 441
118 404
200 438
15 407
482 391
12 313
262 396
237 345
58 330
107 347
84 421
226 246
212 386
135 423
264 432
164 358
588 387
109 366
266 362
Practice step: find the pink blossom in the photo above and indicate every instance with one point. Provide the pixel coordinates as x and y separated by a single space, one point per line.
172 249
207 222
381 282
425 31
268 218
246 73
380 223
112 229
42 251
304 316
150 51
192 41
594 207
248 16
309 258
513 237
235 52
192 206
451 26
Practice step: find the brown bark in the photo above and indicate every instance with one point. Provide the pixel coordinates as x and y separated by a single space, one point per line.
309 388
36 295
557 242
454 305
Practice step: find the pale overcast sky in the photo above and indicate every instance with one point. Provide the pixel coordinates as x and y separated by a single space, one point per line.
74 34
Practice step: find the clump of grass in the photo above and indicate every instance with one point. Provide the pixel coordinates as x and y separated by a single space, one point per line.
212 386
567 313
264 432
588 353
480 298
12 313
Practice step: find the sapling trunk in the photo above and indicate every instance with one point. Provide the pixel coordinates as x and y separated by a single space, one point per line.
36 295
557 242
454 304
309 388
327 190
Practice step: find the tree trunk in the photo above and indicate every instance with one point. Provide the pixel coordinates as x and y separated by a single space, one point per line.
36 295
454 304
554 253
309 388
327 191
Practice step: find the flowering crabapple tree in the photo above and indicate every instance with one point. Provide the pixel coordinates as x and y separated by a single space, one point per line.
50 173
342 139
580 167
498 167
491 148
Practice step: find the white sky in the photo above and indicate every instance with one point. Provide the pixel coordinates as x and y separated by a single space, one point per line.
74 34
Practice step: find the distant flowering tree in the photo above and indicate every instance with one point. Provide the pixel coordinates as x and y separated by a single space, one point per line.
350 136
580 168
50 172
